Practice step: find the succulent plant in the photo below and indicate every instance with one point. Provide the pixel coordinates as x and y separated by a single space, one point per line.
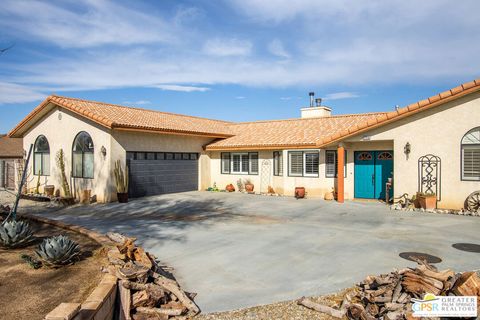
58 251
15 234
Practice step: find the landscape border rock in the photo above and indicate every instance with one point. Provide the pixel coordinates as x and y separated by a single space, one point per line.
463 212
100 304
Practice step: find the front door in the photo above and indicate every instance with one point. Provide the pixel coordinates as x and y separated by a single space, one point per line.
372 170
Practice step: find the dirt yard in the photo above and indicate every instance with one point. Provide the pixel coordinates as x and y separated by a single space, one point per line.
26 293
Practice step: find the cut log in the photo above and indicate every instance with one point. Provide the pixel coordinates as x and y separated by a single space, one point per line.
147 298
321 308
173 287
396 292
141 257
440 275
160 311
468 284
150 287
132 271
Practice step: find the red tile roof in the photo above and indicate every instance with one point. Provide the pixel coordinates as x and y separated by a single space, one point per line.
401 113
293 133
11 147
120 117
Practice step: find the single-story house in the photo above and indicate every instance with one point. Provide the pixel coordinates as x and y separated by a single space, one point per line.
11 157
431 146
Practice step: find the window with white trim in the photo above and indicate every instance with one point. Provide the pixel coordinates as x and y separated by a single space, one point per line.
471 155
225 162
82 156
253 163
311 161
277 163
41 157
303 163
239 163
331 164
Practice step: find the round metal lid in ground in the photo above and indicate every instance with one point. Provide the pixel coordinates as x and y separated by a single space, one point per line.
411 256
469 247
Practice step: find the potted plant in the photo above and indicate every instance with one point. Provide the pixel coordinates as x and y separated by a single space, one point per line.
299 192
248 185
121 180
427 201
230 188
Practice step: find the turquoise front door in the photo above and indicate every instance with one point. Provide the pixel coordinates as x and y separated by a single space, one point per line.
372 170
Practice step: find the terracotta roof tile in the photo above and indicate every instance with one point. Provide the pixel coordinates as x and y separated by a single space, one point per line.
413 108
289 133
116 116
11 147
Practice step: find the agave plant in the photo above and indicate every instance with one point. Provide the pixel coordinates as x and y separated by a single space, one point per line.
58 251
15 234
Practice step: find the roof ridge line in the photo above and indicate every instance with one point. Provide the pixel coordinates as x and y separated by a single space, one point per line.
138 108
306 119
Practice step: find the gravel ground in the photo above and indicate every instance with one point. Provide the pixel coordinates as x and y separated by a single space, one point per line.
7 197
287 310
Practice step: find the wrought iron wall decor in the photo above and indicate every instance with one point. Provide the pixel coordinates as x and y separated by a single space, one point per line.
265 181
430 175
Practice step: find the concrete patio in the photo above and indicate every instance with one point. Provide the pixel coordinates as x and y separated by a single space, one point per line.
238 250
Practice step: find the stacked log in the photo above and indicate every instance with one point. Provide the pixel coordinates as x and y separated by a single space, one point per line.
388 296
146 290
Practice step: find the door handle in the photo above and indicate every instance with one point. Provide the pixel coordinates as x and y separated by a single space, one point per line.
373 179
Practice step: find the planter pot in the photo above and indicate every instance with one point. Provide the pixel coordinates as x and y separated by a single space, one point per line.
49 190
428 202
230 188
328 196
299 192
85 196
122 197
249 187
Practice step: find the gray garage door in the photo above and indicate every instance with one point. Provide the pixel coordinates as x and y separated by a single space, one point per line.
153 173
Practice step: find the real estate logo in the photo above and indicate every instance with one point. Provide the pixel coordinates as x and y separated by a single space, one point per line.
445 306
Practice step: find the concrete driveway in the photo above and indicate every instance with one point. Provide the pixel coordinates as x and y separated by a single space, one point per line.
239 250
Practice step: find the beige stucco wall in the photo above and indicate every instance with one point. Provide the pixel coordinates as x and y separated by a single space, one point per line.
314 186
60 134
437 131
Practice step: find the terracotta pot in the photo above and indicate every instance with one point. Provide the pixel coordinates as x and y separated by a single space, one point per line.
428 202
328 195
230 188
249 187
49 190
299 192
85 196
122 197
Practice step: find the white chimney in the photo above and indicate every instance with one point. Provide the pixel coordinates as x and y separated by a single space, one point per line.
316 111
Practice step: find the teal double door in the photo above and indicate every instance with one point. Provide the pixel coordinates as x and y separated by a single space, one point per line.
372 170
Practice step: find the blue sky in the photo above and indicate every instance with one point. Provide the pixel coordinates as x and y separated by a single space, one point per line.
238 60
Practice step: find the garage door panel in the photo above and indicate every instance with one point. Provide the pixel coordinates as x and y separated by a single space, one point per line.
151 177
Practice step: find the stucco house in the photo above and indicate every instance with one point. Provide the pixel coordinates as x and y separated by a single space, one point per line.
11 159
432 146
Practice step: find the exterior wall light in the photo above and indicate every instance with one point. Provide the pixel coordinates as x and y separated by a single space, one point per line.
103 151
407 149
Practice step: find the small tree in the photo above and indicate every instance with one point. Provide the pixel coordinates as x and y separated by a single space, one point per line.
61 165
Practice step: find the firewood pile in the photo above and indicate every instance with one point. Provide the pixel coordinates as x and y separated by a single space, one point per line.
146 290
388 296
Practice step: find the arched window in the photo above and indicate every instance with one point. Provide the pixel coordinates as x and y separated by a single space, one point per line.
82 156
41 156
471 155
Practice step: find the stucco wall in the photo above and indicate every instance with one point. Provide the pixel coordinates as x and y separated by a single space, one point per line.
437 131
61 132
315 186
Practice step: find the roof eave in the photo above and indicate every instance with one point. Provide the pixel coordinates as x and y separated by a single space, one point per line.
414 108
261 147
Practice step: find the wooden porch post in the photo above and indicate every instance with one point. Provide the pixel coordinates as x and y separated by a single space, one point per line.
340 173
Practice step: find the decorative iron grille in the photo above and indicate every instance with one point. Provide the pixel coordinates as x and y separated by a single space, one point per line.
430 175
